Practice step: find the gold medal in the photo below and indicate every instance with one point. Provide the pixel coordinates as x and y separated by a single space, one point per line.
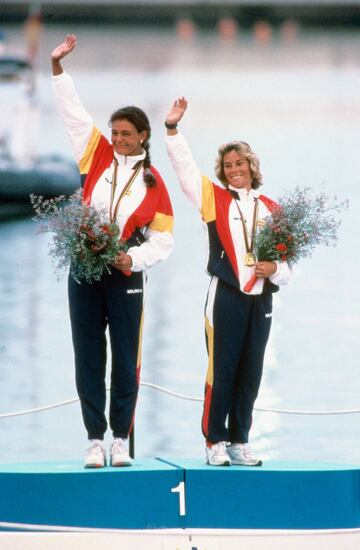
125 191
250 259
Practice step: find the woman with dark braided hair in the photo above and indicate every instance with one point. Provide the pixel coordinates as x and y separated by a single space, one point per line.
144 216
138 118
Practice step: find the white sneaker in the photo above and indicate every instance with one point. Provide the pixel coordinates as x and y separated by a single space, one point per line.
119 455
241 455
216 455
95 456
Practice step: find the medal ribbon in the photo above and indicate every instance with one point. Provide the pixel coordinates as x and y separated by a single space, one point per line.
126 188
249 247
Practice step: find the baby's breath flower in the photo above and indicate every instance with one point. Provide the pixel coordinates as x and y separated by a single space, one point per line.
83 239
302 222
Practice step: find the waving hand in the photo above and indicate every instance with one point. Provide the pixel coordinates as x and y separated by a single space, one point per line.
177 110
61 51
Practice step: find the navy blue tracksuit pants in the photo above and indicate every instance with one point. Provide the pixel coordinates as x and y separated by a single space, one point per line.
237 331
115 301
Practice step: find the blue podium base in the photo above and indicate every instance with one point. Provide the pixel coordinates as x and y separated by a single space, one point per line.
185 493
278 495
66 494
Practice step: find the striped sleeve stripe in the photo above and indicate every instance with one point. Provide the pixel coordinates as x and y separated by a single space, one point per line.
87 158
208 201
162 222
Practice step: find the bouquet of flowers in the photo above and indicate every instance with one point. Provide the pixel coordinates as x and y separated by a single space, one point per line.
299 224
83 240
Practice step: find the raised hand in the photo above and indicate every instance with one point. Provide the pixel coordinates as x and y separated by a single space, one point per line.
177 110
64 48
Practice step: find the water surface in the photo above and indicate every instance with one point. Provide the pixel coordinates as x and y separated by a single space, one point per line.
297 105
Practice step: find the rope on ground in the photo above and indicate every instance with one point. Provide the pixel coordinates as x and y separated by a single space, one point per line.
187 398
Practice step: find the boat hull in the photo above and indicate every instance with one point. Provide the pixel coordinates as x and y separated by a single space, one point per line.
48 179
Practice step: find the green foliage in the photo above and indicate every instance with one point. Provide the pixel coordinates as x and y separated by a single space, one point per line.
302 222
82 240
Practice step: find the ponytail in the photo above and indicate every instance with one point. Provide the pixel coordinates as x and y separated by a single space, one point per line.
149 177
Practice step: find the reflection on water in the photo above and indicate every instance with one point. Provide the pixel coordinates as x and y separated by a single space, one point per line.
297 105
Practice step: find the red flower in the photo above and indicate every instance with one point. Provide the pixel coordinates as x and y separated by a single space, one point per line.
110 229
97 247
283 258
105 229
87 231
281 247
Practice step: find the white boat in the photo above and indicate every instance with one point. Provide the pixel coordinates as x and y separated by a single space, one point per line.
22 169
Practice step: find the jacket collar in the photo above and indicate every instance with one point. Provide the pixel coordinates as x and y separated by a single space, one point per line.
243 194
129 161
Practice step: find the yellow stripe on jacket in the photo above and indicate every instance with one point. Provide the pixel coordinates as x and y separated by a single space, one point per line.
162 222
208 211
87 158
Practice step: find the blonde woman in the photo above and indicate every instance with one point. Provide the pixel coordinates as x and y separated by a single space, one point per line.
237 323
